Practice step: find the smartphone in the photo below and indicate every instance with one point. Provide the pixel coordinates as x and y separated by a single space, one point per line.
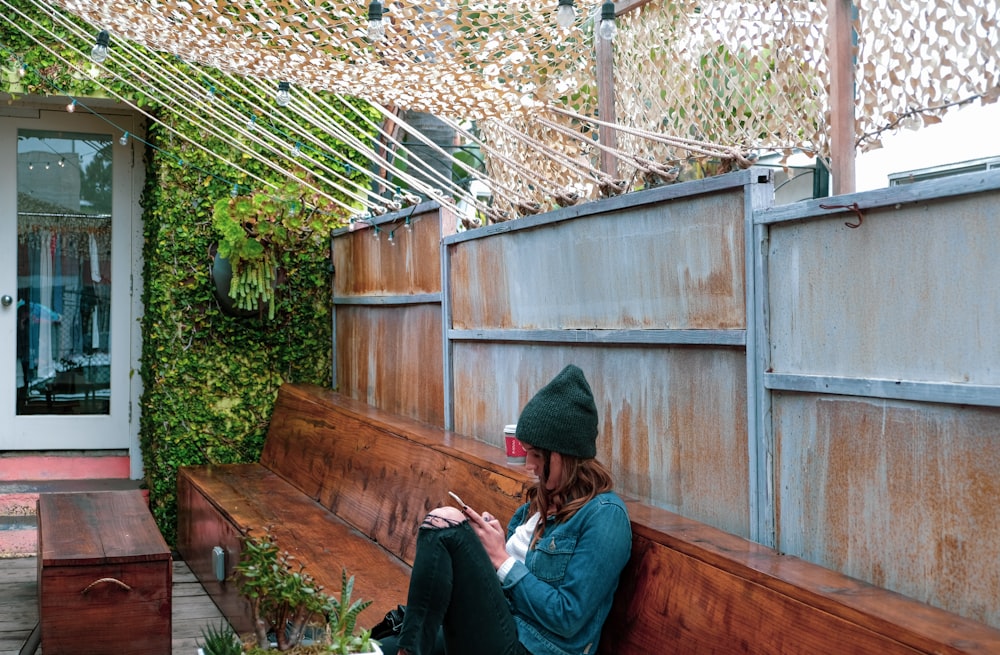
457 499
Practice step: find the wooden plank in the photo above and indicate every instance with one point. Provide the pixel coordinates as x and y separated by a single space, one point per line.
379 472
97 528
728 594
842 124
254 498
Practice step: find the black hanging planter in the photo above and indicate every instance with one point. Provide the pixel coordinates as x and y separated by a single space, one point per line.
222 279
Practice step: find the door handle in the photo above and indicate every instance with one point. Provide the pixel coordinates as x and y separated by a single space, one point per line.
6 301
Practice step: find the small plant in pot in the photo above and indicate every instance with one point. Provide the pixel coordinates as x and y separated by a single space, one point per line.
289 609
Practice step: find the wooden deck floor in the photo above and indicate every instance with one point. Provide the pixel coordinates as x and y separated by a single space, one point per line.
193 610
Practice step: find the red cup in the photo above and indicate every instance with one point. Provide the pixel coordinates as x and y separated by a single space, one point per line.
516 453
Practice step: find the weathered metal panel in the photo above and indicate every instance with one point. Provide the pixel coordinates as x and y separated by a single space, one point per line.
410 264
677 265
673 420
390 357
910 295
903 495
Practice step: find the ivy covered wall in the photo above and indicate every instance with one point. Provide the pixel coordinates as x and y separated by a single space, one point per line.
209 379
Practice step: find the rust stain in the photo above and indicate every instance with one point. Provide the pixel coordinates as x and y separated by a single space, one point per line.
898 494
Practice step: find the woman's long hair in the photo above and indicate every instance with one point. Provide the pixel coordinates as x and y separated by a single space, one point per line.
583 479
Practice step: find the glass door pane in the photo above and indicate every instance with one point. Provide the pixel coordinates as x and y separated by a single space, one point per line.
63 332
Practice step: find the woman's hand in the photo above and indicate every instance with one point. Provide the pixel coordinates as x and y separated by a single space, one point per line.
491 533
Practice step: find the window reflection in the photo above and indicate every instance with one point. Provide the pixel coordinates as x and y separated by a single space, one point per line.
63 272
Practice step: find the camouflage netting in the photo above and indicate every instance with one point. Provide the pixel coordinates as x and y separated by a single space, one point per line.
699 85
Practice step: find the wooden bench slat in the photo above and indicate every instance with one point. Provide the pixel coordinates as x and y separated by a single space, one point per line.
383 476
718 590
251 498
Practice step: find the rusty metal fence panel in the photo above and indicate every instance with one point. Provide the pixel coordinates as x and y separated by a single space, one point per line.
648 294
883 380
387 312
828 390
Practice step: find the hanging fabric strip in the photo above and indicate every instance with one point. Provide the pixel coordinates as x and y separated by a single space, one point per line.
95 330
95 262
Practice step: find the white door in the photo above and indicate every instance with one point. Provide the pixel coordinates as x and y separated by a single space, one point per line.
65 268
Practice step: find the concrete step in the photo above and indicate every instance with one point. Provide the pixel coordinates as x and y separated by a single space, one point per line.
19 497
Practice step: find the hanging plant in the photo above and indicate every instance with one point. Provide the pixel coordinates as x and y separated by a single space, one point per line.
256 229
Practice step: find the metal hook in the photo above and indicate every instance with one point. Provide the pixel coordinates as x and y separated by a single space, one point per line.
853 207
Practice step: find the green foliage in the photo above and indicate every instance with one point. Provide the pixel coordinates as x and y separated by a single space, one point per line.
220 640
256 230
343 616
285 599
209 379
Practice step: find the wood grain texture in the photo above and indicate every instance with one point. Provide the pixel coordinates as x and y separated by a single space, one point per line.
104 575
690 588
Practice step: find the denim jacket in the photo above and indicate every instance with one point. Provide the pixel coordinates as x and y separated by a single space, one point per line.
562 593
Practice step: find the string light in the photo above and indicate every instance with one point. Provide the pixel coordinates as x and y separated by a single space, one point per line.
71 107
100 51
608 29
566 14
283 97
124 139
376 27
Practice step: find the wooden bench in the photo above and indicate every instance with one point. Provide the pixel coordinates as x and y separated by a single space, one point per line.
344 484
340 484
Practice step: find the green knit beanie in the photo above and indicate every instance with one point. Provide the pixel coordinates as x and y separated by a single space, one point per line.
562 416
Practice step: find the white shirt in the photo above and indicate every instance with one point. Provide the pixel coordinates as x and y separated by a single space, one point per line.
518 544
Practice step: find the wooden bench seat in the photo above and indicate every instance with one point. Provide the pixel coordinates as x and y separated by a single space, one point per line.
339 484
344 484
692 589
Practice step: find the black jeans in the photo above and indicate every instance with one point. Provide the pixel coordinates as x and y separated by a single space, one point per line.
455 600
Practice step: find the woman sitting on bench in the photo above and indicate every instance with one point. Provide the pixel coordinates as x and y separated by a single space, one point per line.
545 586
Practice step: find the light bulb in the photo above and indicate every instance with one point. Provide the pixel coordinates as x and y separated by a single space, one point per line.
100 51
376 28
392 239
71 107
283 97
608 29
22 71
124 140
566 14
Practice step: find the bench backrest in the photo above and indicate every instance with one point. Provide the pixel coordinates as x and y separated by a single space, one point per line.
690 588
380 472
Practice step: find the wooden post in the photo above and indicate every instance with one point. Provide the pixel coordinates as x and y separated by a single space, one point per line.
842 136
607 136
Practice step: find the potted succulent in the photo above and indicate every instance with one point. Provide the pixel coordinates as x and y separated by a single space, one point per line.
290 609
255 230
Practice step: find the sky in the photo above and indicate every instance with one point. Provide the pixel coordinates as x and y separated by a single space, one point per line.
969 132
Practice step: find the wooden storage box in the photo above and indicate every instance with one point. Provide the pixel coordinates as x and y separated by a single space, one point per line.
104 575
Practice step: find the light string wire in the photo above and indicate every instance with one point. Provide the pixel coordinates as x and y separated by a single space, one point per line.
181 82
78 102
552 188
184 87
50 83
452 160
304 134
